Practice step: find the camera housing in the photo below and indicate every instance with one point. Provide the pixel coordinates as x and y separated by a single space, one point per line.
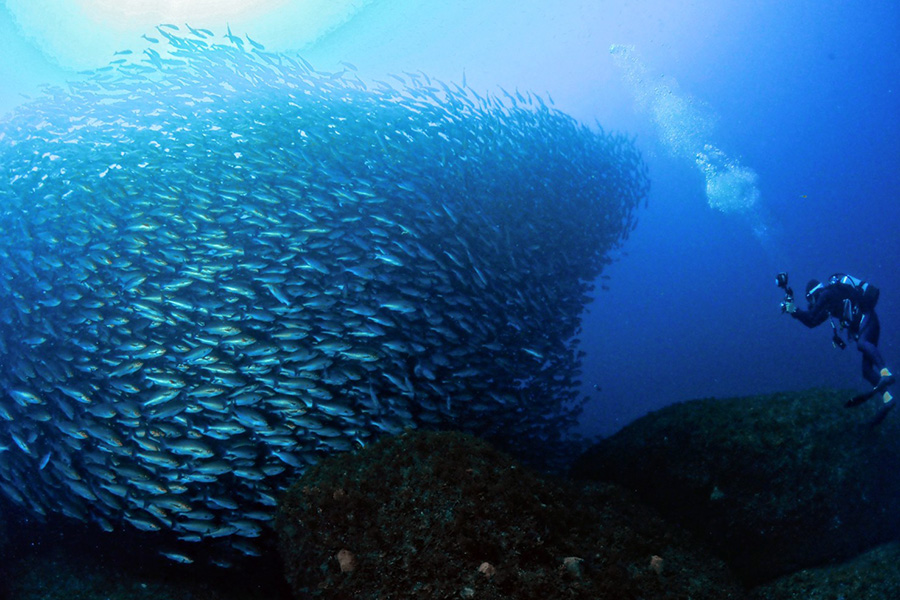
781 280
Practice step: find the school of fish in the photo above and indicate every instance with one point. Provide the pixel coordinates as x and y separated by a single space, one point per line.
219 264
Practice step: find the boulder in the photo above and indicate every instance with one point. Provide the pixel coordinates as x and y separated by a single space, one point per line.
445 515
775 483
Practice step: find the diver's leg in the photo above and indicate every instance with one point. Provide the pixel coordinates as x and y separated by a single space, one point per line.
873 367
869 372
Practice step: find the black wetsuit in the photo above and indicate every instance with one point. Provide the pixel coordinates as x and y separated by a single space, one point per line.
864 329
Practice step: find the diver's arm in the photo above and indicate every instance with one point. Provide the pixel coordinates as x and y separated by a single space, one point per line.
818 312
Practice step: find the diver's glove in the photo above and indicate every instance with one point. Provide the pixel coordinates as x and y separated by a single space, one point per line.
788 306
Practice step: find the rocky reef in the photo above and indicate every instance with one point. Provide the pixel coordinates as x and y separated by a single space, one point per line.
788 479
774 483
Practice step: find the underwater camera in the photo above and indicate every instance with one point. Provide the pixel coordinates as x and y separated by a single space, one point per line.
781 280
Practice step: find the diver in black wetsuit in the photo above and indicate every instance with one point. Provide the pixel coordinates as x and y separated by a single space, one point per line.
852 302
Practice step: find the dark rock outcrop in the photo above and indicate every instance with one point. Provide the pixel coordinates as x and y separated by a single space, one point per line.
445 515
872 575
775 483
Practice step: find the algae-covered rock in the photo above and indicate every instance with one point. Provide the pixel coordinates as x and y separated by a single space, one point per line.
445 515
776 483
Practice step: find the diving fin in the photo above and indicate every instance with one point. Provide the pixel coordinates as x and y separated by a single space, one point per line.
860 398
883 411
887 378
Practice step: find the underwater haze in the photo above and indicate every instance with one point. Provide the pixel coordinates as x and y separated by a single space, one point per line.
228 224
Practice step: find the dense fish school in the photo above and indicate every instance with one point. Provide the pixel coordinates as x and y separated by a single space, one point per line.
219 264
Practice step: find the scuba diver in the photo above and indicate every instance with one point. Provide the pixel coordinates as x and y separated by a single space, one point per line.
852 302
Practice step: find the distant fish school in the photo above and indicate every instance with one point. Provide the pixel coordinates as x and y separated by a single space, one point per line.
219 265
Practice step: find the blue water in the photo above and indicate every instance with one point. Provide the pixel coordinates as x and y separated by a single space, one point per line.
805 95
802 93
